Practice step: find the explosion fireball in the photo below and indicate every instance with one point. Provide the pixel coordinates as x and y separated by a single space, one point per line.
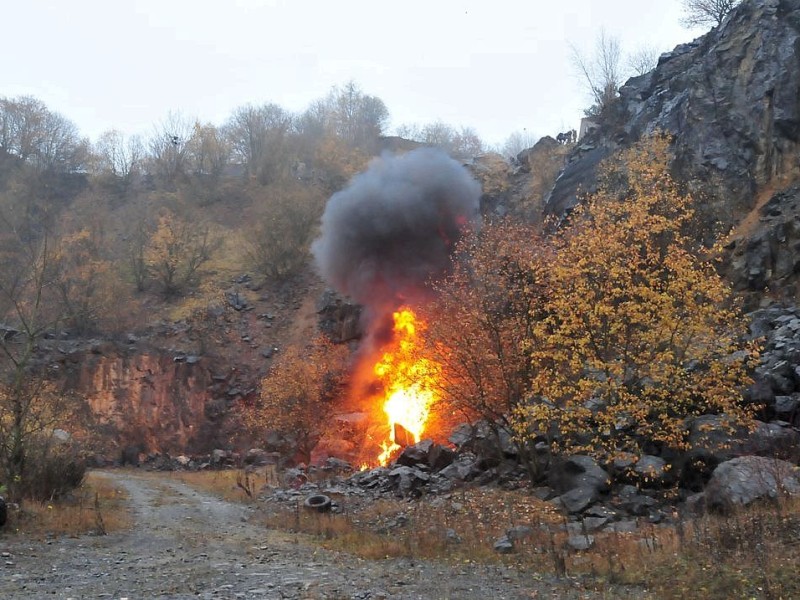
409 382
384 238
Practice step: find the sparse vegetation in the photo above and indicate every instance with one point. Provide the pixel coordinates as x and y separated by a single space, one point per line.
234 485
706 12
744 554
96 506
281 233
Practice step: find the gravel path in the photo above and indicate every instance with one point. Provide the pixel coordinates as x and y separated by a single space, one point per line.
186 544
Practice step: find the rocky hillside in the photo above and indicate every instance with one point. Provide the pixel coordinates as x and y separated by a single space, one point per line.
730 99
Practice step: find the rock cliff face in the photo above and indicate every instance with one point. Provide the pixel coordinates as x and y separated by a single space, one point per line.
731 99
154 401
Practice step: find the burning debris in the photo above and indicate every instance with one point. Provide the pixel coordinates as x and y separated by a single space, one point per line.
384 237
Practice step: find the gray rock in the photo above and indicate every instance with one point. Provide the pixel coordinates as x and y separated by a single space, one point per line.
633 502
463 468
338 318
452 537
623 462
425 452
578 471
484 440
408 480
739 134
695 504
590 524
787 405
716 438
580 542
600 511
504 545
773 439
578 499
653 471
461 435
627 526
743 480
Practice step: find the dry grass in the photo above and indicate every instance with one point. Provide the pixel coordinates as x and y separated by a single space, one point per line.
751 553
461 526
97 507
233 485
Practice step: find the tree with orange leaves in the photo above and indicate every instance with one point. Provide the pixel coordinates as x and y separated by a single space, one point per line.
481 324
640 332
297 394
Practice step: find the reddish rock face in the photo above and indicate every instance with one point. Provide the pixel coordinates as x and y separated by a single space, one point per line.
156 401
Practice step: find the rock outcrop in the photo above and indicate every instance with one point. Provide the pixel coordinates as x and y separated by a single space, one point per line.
729 98
765 253
151 400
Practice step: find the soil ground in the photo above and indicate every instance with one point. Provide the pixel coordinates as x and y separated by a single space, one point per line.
186 544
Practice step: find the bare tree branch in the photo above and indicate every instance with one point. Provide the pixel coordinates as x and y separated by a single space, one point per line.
706 12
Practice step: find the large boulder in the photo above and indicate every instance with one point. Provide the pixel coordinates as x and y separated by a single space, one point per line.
741 481
579 481
578 471
489 442
431 455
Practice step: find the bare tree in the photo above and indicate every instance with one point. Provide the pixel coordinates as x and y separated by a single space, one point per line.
463 143
118 155
208 150
519 141
314 122
358 118
643 60
280 233
177 251
40 137
30 406
255 133
706 12
169 146
467 143
602 73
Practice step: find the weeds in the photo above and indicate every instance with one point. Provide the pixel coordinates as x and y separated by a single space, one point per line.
96 507
748 553
239 485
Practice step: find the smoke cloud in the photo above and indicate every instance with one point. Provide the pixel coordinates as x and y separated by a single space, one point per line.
394 227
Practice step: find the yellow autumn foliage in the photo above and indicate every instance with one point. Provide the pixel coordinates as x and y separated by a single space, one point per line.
640 332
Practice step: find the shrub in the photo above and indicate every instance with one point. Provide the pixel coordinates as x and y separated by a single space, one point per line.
53 470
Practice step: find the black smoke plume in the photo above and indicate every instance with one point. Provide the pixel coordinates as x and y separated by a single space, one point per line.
393 228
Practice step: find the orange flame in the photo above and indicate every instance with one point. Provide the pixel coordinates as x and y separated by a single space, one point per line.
408 382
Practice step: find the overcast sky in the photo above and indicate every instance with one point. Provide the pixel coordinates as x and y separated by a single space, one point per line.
498 66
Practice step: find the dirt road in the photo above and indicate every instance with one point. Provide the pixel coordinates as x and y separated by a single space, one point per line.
185 544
